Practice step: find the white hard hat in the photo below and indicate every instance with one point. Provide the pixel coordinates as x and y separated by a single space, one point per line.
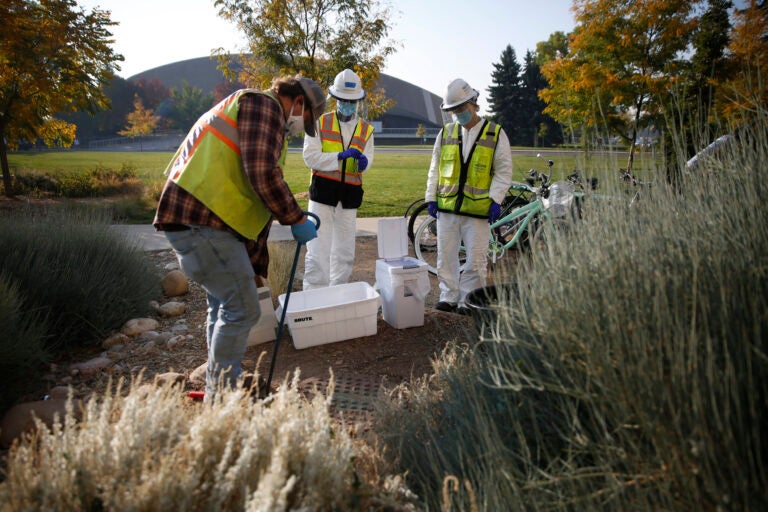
457 93
346 86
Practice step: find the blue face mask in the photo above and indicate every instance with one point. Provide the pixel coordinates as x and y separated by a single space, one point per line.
346 108
463 118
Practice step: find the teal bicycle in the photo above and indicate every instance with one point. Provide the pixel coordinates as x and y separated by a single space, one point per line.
539 210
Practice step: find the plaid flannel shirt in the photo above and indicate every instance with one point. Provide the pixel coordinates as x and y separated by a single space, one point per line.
261 128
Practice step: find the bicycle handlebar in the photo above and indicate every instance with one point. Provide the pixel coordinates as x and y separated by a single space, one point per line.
628 176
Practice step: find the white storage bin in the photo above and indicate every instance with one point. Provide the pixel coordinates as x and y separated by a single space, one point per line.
265 329
402 281
326 315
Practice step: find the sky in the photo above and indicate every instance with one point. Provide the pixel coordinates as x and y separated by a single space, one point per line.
439 40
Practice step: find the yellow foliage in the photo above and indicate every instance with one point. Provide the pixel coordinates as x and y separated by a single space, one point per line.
746 92
141 121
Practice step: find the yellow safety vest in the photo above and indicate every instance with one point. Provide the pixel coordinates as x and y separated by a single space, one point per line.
464 188
330 136
209 166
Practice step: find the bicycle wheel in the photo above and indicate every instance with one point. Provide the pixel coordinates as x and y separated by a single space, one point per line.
507 232
425 245
419 214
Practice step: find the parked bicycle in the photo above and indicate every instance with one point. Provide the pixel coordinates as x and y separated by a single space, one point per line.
518 194
528 213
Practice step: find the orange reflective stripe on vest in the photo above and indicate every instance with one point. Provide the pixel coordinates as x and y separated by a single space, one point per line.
209 166
330 136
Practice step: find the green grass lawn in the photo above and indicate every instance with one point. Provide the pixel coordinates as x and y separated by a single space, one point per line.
394 181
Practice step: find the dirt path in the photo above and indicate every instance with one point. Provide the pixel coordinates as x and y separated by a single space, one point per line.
359 365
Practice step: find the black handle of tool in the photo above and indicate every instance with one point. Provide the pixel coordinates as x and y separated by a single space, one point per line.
285 304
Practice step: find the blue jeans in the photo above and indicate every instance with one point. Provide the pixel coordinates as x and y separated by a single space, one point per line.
218 261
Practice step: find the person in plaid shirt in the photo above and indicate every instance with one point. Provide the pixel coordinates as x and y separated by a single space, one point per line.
225 186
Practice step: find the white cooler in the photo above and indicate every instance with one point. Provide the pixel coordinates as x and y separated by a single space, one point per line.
402 281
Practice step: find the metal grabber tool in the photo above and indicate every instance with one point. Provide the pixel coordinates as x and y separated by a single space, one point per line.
285 304
199 395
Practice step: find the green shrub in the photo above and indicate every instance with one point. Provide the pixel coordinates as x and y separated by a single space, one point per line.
76 184
29 182
98 181
74 269
22 350
630 371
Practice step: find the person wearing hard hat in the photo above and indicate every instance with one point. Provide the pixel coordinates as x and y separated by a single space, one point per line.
225 185
470 173
338 155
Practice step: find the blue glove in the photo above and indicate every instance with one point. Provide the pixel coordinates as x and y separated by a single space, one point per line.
432 208
350 153
304 232
494 212
362 163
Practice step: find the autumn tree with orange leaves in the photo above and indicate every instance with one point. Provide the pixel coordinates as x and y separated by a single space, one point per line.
54 57
317 39
140 122
623 58
744 92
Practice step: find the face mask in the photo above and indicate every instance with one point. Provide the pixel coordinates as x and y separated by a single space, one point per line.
295 124
463 118
347 109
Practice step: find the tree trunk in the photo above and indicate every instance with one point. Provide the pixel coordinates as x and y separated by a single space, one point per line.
4 164
631 157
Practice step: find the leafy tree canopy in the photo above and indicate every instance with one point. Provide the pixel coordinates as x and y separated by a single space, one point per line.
54 57
743 94
141 122
548 50
316 38
188 104
623 58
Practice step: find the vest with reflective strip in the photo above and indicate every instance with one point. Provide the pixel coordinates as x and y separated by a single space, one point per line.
209 166
464 188
330 135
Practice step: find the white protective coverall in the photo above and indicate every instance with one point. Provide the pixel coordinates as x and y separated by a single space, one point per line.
452 228
331 255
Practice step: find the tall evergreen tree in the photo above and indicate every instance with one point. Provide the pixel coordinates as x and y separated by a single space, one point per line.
536 128
505 94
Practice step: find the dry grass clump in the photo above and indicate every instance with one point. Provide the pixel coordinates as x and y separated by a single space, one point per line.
154 450
281 257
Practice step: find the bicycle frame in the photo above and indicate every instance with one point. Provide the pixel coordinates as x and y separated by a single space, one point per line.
520 218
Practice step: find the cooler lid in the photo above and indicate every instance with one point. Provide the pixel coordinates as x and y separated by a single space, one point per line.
402 265
393 237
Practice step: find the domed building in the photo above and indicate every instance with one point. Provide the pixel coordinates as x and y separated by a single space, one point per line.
413 106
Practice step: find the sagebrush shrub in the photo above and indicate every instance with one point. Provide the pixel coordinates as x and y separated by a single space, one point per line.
76 271
22 342
151 450
630 372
